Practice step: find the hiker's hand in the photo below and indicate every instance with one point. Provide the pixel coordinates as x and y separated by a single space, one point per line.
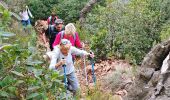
62 61
91 54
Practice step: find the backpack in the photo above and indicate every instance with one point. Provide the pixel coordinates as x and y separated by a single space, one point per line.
50 18
62 35
51 30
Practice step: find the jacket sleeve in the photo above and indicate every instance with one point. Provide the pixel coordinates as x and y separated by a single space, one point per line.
54 58
29 12
57 39
77 51
77 41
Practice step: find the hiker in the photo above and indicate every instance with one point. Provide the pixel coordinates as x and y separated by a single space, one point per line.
53 30
70 34
51 20
65 50
25 13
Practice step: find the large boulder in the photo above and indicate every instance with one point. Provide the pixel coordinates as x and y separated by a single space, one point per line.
153 80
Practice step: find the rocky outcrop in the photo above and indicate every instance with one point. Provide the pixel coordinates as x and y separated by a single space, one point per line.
42 41
153 81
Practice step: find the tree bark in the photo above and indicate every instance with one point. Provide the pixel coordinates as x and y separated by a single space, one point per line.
87 8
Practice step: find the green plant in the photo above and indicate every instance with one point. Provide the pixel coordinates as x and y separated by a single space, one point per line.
99 46
97 94
66 10
22 73
132 27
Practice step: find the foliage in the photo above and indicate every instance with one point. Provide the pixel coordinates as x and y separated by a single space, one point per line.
132 26
22 75
20 81
68 10
97 94
165 32
99 46
5 17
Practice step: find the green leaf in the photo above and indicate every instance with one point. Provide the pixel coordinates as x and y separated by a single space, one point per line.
17 73
12 89
33 95
4 94
54 75
33 88
19 82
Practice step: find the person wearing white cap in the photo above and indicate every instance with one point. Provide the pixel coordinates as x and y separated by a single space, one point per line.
65 50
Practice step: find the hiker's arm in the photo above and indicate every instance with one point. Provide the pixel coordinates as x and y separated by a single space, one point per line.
77 51
54 60
57 39
29 12
77 41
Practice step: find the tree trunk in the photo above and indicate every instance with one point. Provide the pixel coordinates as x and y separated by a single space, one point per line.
87 8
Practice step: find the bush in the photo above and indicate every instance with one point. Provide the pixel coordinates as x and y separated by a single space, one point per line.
133 27
99 46
22 77
68 10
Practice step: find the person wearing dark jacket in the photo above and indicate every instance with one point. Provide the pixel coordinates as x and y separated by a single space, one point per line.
53 30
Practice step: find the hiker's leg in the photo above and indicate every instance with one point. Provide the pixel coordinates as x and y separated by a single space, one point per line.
23 23
73 81
28 22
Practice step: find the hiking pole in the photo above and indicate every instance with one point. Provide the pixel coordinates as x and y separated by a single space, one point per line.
85 71
92 63
84 60
65 78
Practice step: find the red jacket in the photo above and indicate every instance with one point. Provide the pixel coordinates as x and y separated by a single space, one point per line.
76 42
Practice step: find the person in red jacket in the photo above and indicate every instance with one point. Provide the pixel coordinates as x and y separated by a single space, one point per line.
70 34
52 18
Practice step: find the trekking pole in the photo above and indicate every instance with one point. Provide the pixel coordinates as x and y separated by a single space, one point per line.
65 78
92 63
84 60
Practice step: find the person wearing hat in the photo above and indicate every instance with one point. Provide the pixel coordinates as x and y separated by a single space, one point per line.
62 55
53 30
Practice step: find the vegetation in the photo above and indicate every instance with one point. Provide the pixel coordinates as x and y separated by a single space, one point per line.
23 76
126 29
131 27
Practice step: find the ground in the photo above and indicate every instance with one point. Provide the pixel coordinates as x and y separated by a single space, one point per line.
103 70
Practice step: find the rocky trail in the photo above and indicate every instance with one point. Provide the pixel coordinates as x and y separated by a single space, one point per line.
103 72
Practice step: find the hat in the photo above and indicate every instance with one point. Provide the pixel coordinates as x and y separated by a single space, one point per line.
58 21
65 41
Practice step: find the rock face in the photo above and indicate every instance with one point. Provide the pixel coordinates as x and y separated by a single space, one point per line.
153 81
42 41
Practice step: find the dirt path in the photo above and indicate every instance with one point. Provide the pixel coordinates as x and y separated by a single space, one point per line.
103 70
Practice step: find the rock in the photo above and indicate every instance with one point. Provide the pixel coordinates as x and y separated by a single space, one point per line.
155 57
155 78
159 84
146 73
